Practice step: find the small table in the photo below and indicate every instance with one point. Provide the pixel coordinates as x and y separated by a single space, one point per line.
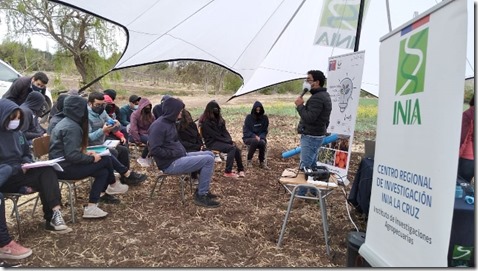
291 184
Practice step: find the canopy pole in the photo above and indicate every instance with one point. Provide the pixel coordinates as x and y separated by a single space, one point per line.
388 17
359 25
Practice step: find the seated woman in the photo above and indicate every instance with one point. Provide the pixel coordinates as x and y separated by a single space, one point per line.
218 138
69 139
31 108
140 121
14 152
189 135
254 131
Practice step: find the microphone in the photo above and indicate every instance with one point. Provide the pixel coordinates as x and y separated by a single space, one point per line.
304 92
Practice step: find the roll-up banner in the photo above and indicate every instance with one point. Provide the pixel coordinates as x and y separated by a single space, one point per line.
417 143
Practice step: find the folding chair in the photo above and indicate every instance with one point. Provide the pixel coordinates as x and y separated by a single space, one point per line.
41 147
265 153
183 178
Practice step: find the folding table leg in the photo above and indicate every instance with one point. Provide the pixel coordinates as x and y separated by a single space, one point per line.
284 224
323 210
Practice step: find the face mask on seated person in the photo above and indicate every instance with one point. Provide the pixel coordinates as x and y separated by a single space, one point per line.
98 110
110 109
147 110
216 112
13 124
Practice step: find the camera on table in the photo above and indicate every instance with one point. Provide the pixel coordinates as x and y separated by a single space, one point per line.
110 122
318 173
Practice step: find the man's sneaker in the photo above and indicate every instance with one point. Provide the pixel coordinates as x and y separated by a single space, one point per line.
231 175
14 251
242 174
57 223
205 201
217 158
249 163
133 178
92 211
109 199
209 195
144 162
118 188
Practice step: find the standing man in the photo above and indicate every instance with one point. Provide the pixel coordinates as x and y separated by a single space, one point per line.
171 157
314 120
21 87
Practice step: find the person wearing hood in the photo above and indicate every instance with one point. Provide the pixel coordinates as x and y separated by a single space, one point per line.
31 110
14 152
54 108
158 109
128 109
171 156
99 128
218 138
254 131
59 112
69 139
24 85
141 119
314 120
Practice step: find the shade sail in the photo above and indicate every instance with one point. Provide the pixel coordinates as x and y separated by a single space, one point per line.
265 42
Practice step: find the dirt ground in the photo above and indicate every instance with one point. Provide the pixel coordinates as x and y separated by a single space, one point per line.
163 232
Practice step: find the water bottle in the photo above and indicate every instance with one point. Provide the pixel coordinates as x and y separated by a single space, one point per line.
458 192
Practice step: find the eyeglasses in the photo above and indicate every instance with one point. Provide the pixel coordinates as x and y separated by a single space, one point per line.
309 80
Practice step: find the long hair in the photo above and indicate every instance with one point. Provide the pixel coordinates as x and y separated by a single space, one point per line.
84 129
209 112
186 120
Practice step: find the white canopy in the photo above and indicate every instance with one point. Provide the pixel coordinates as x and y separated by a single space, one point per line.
265 42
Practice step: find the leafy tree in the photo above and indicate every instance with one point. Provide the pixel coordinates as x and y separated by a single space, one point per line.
77 34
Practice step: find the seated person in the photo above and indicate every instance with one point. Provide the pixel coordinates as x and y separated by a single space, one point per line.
466 162
255 129
127 110
14 152
98 128
189 135
117 134
158 109
171 156
59 113
112 94
218 138
69 139
9 249
32 108
141 119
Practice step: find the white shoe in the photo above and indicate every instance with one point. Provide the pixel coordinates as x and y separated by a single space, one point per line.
92 211
118 188
144 162
217 158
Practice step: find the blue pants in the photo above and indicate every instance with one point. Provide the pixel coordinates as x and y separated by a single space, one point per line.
194 161
309 150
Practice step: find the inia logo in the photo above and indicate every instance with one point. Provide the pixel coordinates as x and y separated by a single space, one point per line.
411 72
338 23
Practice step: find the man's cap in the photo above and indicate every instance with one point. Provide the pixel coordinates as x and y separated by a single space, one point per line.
134 98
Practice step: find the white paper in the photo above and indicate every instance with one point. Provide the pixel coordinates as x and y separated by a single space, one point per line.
48 163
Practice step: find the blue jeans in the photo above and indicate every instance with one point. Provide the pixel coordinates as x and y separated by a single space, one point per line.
309 150
194 161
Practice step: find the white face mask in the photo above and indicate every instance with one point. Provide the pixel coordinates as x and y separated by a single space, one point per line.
306 85
136 106
13 124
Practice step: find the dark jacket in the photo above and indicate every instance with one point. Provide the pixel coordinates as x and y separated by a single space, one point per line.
59 115
19 90
66 137
14 148
31 110
125 114
190 137
255 124
315 114
158 109
213 129
163 140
